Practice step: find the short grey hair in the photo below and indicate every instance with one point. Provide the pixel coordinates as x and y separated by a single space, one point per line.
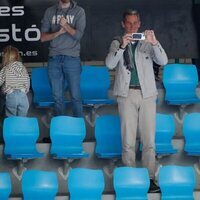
131 12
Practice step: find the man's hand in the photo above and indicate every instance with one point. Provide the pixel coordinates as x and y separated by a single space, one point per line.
150 37
63 22
65 25
126 39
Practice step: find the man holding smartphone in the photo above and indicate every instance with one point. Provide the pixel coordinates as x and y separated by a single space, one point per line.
136 91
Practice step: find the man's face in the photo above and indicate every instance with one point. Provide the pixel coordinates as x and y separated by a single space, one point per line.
131 24
64 1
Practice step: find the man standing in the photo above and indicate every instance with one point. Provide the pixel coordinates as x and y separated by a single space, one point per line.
136 91
63 25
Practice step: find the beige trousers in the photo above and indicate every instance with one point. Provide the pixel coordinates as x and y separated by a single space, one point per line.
138 113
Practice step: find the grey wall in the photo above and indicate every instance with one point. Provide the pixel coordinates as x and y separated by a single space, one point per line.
172 21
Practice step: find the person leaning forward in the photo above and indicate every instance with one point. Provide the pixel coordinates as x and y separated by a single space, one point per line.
135 89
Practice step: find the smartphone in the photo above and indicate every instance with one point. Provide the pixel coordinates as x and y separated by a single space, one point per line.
138 36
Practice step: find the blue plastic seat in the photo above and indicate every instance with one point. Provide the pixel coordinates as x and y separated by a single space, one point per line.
5 186
108 137
191 132
39 185
42 95
20 135
131 183
95 83
67 135
177 182
165 129
85 184
180 82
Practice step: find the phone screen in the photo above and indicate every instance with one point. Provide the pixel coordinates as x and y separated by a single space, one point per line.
137 36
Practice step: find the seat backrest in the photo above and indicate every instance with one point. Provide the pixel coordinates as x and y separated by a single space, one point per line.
95 82
5 186
108 135
20 134
177 182
37 185
180 81
131 183
165 129
191 130
85 184
40 84
67 134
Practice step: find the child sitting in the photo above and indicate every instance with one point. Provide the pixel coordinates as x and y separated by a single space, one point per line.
15 83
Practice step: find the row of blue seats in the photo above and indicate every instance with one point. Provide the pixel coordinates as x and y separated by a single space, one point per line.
180 82
67 134
176 182
95 83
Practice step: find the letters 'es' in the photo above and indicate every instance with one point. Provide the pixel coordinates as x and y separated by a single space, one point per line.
6 33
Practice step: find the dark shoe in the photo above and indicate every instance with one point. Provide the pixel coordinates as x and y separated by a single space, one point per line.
46 140
157 78
154 188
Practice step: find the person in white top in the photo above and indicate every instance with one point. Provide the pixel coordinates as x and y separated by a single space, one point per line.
15 83
135 89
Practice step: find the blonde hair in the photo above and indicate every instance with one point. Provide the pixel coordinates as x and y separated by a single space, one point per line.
10 54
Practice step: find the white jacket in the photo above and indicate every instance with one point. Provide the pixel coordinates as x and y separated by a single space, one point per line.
145 54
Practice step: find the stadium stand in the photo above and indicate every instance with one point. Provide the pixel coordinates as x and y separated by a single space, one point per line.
177 182
180 82
108 140
20 136
37 185
131 183
165 130
67 135
95 82
85 184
